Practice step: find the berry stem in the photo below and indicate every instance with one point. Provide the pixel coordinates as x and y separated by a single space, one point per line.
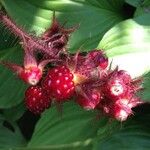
28 40
13 27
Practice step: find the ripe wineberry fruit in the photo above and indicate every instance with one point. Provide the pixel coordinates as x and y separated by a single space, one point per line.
59 83
36 99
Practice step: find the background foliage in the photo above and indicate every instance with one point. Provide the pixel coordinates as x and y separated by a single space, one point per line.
122 29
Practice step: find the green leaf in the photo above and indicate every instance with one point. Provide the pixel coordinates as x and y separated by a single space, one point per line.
9 138
134 3
52 148
128 44
76 128
14 113
143 8
11 88
2 118
7 40
145 94
95 17
132 135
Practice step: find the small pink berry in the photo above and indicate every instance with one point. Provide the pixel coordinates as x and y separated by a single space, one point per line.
31 75
31 72
103 63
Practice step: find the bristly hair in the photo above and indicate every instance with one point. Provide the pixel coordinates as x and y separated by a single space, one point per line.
18 31
27 40
51 43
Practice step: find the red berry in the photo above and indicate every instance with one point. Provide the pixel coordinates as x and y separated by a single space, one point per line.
36 99
59 83
89 101
31 75
103 63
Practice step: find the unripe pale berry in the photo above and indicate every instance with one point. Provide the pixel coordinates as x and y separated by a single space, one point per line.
31 75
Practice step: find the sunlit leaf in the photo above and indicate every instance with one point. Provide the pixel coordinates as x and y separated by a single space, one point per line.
76 128
128 45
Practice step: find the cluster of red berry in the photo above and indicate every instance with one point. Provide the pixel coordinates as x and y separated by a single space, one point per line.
56 75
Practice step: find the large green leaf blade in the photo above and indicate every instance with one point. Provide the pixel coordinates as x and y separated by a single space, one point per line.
94 18
10 139
7 40
133 134
143 8
11 88
10 135
126 37
134 3
76 128
128 44
14 113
